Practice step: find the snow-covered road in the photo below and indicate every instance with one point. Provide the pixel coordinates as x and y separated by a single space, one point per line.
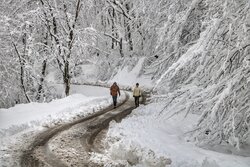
70 144
146 138
20 124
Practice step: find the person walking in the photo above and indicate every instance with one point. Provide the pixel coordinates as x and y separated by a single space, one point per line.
114 91
137 94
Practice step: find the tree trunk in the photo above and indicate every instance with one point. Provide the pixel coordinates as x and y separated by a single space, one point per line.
21 61
40 87
120 45
66 73
66 78
129 30
44 65
22 82
112 16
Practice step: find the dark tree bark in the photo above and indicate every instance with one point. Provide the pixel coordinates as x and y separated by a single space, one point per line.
63 55
40 87
66 74
120 45
21 61
128 28
44 65
66 78
112 18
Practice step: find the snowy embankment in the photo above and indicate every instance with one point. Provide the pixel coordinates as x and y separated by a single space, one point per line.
148 138
19 123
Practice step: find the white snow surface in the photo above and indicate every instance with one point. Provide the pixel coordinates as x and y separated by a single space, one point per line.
38 113
152 137
19 123
127 77
146 138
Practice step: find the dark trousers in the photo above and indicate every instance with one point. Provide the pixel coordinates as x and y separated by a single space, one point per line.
114 100
137 101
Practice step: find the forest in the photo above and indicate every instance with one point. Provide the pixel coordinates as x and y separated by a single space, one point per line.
197 54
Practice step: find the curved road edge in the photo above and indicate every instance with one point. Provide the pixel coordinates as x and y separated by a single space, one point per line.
28 158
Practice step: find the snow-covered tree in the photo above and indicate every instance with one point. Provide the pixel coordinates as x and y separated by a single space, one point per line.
196 52
203 67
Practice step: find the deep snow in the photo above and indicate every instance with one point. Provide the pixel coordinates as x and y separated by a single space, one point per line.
20 123
147 138
152 137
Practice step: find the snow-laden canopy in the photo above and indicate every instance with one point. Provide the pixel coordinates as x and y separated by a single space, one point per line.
194 55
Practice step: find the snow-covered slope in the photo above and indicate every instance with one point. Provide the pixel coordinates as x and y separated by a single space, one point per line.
199 59
203 67
200 65
195 55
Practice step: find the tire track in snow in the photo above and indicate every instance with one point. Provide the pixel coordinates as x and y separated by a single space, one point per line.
38 154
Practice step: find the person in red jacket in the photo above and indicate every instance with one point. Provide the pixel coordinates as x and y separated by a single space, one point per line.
114 91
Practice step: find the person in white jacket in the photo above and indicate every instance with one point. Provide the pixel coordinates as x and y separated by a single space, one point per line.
137 94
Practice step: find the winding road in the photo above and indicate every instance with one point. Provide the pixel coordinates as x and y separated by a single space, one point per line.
70 144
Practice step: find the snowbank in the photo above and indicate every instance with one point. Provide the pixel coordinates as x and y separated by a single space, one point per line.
19 123
152 138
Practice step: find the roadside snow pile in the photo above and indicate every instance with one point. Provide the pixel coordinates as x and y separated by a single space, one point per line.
132 156
150 138
19 124
25 116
